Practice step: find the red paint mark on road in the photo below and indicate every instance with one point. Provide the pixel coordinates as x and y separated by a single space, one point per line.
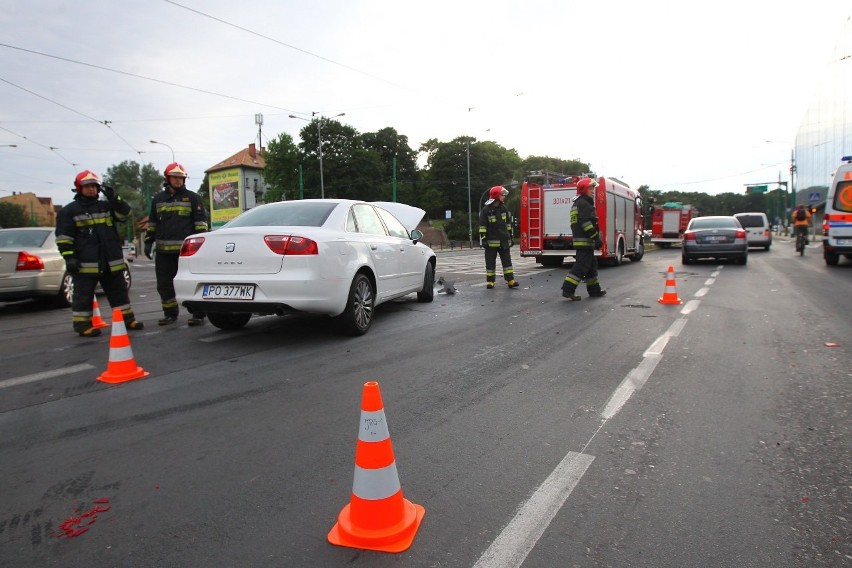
75 526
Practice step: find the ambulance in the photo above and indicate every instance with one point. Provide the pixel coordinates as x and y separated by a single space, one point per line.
837 221
545 219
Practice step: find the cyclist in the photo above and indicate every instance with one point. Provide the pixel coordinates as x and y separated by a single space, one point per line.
801 222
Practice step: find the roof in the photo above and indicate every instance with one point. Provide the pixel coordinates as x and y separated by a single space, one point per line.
246 158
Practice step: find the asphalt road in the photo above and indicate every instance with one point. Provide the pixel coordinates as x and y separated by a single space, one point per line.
536 432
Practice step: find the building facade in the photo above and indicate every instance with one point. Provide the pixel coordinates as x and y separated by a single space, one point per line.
825 133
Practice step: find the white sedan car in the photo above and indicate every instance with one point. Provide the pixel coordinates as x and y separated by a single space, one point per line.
336 257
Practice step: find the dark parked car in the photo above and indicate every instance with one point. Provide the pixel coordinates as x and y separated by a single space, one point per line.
714 237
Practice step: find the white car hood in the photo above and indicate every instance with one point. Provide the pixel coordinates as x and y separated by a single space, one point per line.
409 216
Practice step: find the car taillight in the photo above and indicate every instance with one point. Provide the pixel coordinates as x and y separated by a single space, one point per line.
291 245
191 246
689 236
741 234
27 261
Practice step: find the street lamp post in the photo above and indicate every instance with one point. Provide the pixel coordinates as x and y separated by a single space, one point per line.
319 140
166 145
469 209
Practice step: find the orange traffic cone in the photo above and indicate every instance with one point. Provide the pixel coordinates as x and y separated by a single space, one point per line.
670 294
97 320
377 517
122 366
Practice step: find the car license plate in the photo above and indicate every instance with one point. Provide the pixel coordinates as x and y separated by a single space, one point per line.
228 291
844 242
715 239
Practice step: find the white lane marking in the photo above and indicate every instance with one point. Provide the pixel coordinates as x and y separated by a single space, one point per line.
44 375
709 281
690 307
517 539
702 292
636 378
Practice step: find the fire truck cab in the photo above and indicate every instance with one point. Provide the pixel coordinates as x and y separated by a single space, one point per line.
545 220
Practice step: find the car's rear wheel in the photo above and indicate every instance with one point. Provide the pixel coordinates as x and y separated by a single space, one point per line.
66 291
357 318
685 259
229 322
427 294
831 259
743 259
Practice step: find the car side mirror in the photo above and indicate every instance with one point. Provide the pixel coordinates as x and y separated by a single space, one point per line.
416 235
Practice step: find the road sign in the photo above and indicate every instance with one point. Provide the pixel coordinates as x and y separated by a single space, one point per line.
814 196
758 188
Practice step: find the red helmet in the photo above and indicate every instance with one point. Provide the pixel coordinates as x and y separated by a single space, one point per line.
174 169
497 192
585 185
86 177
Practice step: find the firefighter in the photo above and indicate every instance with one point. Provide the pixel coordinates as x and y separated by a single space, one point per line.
176 213
495 236
89 243
587 239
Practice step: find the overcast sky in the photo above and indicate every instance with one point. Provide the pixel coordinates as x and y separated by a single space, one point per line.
669 94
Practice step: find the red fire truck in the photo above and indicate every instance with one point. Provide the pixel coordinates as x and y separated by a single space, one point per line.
546 199
669 221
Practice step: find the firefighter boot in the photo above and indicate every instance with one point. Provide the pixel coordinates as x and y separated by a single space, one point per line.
89 332
597 294
134 325
512 283
489 285
168 319
195 320
568 292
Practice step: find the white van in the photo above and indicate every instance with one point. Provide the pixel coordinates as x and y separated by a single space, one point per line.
758 231
837 221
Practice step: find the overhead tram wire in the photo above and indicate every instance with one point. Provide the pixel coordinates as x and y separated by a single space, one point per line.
104 122
135 76
46 147
279 42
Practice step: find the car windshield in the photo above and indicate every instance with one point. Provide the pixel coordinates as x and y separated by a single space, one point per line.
20 239
751 220
295 214
717 223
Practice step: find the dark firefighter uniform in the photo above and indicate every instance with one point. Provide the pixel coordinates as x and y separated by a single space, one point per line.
88 241
172 218
495 235
584 229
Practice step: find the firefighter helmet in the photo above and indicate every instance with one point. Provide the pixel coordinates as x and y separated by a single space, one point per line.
86 177
498 192
174 169
585 185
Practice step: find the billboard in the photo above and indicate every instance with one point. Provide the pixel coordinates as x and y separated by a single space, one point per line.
225 196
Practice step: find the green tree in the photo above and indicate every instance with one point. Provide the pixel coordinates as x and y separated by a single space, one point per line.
12 215
136 183
395 154
282 158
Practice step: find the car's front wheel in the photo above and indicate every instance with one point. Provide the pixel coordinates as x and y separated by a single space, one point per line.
229 322
427 294
357 318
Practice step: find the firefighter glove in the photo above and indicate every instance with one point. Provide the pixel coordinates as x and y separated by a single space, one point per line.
511 243
109 192
72 265
149 245
598 243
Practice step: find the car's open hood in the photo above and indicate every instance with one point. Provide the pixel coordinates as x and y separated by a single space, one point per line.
409 216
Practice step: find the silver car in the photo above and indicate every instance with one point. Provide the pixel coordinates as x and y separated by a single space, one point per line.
31 267
714 237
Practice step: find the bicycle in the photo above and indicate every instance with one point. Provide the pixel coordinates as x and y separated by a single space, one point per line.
801 242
